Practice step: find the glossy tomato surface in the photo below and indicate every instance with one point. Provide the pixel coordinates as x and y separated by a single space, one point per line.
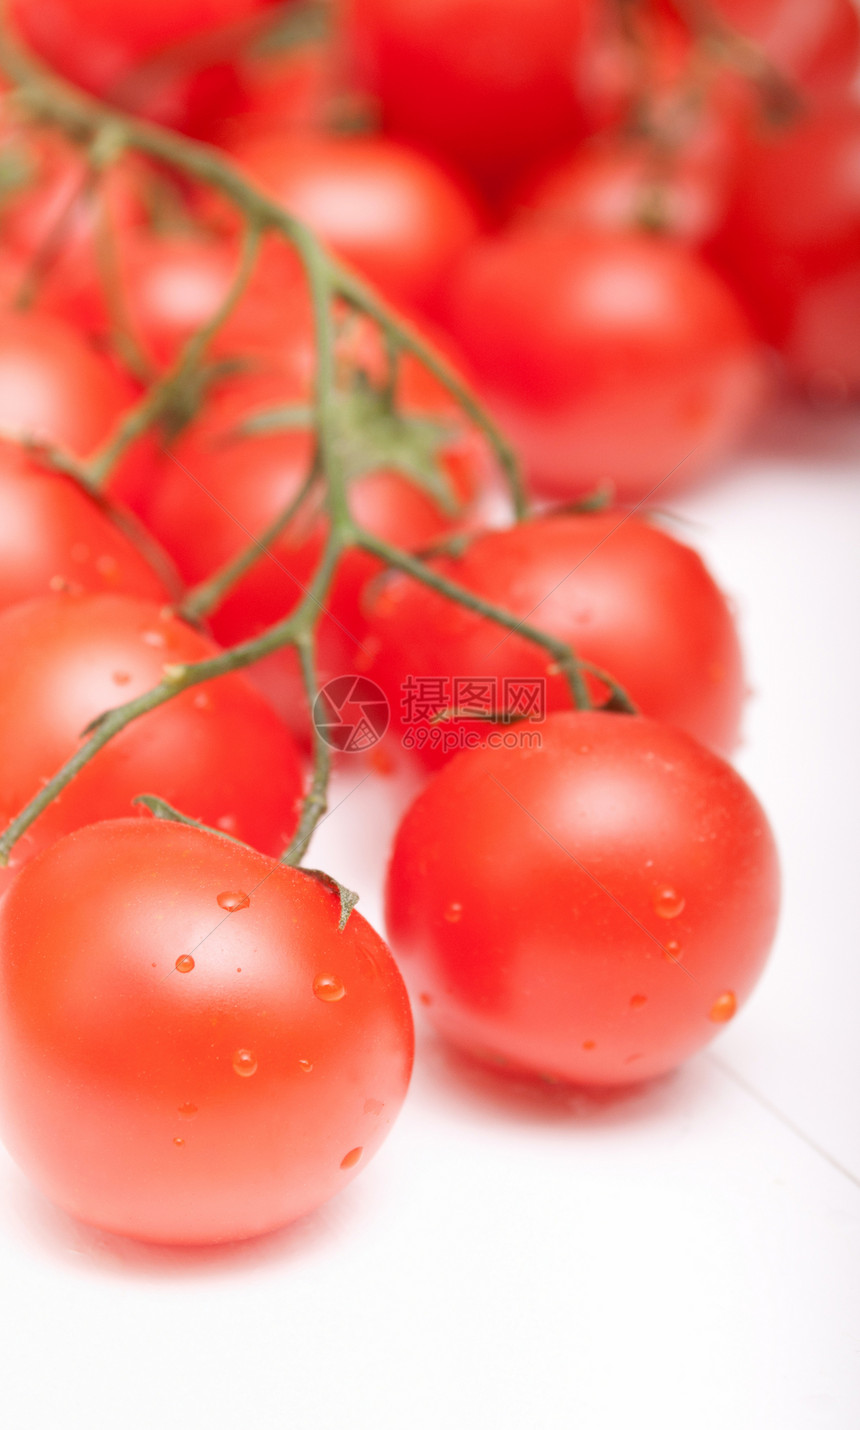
55 536
622 592
194 1052
592 910
606 357
386 209
217 752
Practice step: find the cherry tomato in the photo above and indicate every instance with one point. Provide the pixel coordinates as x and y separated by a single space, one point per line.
53 386
217 752
490 84
591 910
607 357
822 346
194 1052
623 593
54 536
387 210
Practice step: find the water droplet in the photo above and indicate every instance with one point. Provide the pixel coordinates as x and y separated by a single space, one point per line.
179 1141
373 1105
58 583
155 638
305 1065
454 913
201 701
328 988
107 566
672 950
725 1008
238 970
589 1045
244 1062
187 1109
233 900
638 1000
80 552
352 1157
585 749
425 998
553 668
120 677
227 823
634 1057
668 903
184 963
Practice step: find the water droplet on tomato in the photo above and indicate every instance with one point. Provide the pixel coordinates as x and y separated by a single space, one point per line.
184 963
107 566
454 913
227 823
120 677
201 701
328 988
638 1000
179 1141
233 900
668 903
305 1065
672 950
725 1008
154 638
425 998
187 1109
351 1158
244 1062
373 1105
589 1045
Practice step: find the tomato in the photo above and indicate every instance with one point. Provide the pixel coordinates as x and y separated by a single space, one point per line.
817 45
606 357
217 752
54 536
387 210
194 1052
490 84
623 593
822 346
592 910
53 386
93 42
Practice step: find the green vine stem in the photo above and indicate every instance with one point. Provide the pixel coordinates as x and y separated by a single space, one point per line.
50 99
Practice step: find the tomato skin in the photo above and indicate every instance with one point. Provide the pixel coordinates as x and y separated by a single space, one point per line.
386 209
525 886
53 534
623 593
53 386
119 1091
490 84
606 357
218 753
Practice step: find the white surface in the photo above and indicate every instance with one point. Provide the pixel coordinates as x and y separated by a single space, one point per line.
682 1257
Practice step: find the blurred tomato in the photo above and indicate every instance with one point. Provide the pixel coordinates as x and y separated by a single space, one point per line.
607 357
816 43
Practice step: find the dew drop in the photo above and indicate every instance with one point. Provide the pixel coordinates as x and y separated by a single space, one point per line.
187 1109
305 1065
120 677
454 913
374 1106
154 638
179 1141
233 900
634 1057
668 903
201 701
351 1158
227 823
107 566
638 1000
58 583
725 1008
244 1062
184 963
672 950
328 988
553 668
589 1045
425 998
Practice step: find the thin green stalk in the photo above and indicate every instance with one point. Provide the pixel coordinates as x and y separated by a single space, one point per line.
316 800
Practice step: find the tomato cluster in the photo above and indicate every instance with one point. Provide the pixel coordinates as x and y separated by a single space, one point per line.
229 504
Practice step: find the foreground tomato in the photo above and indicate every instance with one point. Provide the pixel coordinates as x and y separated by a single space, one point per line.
53 387
193 1051
592 910
218 753
623 593
53 536
387 210
607 357
487 83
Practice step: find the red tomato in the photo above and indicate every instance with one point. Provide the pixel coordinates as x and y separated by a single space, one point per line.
53 536
623 593
94 41
606 357
816 44
194 1052
53 386
822 346
387 210
217 752
592 910
490 84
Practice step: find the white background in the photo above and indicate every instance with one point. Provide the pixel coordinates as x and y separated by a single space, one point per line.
684 1256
